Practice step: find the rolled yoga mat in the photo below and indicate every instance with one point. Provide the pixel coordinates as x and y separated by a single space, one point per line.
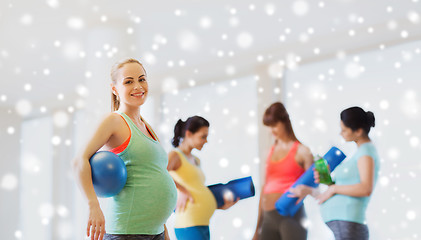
286 205
240 188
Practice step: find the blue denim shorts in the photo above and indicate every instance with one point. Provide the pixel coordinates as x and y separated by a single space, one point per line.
193 233
134 237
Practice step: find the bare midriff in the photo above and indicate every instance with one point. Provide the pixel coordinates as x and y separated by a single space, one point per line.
269 200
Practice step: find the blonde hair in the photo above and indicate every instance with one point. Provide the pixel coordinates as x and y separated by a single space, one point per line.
115 102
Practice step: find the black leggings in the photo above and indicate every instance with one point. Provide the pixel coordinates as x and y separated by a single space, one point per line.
134 237
344 230
278 227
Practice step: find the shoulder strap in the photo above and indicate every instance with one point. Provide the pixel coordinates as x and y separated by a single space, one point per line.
197 161
182 155
124 119
295 146
149 128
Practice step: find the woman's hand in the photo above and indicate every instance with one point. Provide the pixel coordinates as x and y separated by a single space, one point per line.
96 223
300 191
228 201
183 198
167 236
316 176
326 194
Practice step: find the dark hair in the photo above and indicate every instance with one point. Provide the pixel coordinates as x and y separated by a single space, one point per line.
277 113
192 124
356 118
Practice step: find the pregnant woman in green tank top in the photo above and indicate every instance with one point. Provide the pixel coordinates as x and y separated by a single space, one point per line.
143 206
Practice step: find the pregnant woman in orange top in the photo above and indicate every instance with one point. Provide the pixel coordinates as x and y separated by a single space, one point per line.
287 160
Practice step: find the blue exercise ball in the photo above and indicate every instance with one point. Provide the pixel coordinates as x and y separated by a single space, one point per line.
109 173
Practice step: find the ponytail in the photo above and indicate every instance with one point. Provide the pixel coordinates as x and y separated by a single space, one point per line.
356 118
371 120
192 124
178 133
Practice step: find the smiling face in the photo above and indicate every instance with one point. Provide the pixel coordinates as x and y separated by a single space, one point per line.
130 85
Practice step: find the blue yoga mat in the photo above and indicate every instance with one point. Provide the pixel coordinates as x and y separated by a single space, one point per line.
240 188
286 205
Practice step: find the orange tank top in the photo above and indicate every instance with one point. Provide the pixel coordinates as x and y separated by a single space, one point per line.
281 174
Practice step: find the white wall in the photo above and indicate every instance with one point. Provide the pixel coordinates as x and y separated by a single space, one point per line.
36 162
10 136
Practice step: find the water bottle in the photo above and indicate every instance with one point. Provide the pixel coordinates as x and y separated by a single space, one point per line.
322 167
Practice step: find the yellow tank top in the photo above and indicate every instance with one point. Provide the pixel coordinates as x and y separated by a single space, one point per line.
192 178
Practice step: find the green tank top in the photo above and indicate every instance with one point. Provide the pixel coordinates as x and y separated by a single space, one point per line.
149 196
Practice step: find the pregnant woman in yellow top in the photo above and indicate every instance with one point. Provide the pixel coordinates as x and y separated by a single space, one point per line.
195 203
